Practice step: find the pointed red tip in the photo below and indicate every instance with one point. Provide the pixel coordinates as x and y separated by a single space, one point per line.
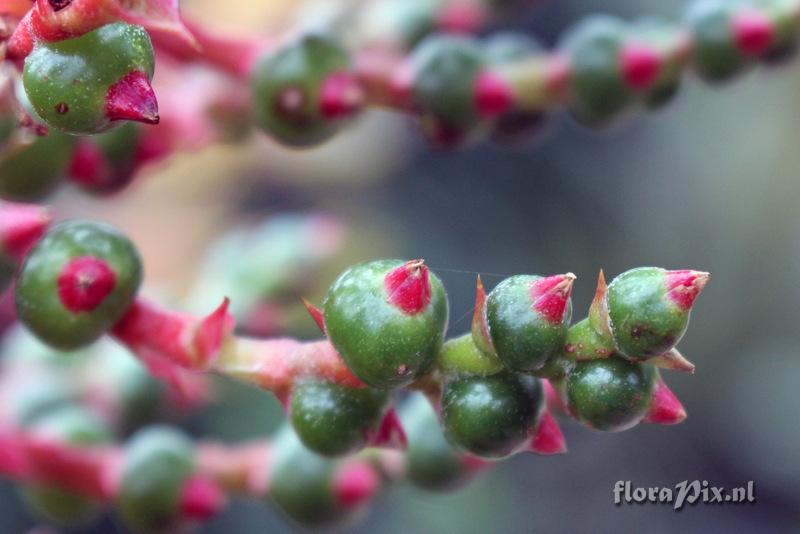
315 314
340 96
84 283
640 65
551 295
390 433
212 330
665 408
21 225
355 483
201 499
409 287
552 398
132 98
683 286
493 95
480 327
752 31
548 438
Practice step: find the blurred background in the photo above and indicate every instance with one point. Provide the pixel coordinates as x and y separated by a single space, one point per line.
710 182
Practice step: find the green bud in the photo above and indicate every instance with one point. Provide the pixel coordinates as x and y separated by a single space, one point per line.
598 89
302 484
461 356
158 461
72 425
445 69
716 55
334 420
290 95
82 85
528 317
31 170
77 282
492 416
432 463
516 127
610 394
649 308
387 318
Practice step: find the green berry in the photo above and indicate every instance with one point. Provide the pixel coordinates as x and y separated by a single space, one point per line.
302 484
649 309
528 317
334 420
445 69
77 282
158 461
432 463
31 170
610 394
387 318
598 89
716 54
77 85
516 127
289 90
584 342
461 356
491 416
75 426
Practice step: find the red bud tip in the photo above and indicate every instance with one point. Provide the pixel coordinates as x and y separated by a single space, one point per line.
493 96
132 98
201 499
84 283
753 32
341 96
640 65
552 398
12 456
211 331
21 42
665 408
480 327
409 287
88 165
550 296
21 225
460 17
684 286
315 314
548 438
355 483
390 433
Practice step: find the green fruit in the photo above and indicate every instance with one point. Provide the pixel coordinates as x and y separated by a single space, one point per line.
644 322
302 484
382 344
662 36
716 55
445 68
524 333
431 462
49 312
460 356
492 416
598 90
67 81
611 394
517 127
30 171
334 420
158 461
286 86
75 426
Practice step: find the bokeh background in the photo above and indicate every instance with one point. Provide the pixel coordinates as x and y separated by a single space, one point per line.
711 182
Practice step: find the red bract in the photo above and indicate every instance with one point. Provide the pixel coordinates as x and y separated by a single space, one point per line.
408 287
551 295
84 283
684 286
21 225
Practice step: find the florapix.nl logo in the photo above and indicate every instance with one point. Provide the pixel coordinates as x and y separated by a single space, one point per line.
683 493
